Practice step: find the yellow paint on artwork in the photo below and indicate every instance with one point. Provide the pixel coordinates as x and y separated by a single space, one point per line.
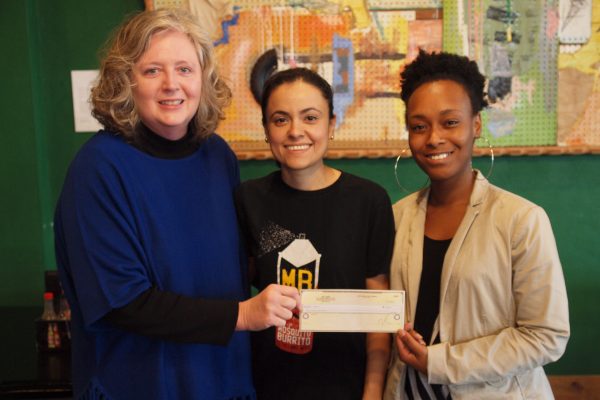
383 116
362 19
168 3
396 31
579 90
586 58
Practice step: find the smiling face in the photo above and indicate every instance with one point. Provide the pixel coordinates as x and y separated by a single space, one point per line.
442 130
167 84
298 127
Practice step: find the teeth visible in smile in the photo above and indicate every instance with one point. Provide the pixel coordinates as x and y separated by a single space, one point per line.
440 156
298 147
171 102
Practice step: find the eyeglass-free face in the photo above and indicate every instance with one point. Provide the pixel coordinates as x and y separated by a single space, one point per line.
167 84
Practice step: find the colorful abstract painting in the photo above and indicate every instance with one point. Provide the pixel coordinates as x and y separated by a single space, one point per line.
543 98
359 47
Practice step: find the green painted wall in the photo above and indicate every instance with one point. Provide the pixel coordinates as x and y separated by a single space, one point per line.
20 226
45 40
42 41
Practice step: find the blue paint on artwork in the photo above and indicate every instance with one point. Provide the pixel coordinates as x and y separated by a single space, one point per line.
500 123
343 76
225 27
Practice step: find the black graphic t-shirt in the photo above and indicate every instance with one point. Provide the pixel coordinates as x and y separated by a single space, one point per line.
333 238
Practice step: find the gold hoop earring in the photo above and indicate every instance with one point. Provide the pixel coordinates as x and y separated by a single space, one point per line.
266 139
404 153
491 149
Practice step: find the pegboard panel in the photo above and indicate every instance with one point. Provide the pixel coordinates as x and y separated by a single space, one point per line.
455 26
156 4
579 90
358 47
515 45
404 4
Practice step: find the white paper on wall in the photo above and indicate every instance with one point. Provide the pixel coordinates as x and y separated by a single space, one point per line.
81 84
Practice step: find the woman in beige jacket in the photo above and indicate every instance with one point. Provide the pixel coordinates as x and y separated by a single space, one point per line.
486 299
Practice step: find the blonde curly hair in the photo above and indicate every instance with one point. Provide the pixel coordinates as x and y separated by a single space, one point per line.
112 98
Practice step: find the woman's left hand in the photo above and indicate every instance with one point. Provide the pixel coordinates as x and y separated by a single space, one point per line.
411 348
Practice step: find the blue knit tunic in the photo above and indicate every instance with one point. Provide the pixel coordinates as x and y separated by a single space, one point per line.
127 221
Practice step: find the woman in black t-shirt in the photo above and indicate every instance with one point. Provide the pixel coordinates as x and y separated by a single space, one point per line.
309 225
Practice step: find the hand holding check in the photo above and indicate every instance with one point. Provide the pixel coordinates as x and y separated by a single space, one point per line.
412 349
271 307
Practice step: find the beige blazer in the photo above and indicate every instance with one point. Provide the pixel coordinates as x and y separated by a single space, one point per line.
503 303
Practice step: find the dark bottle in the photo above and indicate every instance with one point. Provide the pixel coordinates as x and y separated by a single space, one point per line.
48 332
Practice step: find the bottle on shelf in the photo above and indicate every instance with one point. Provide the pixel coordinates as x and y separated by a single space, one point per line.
64 315
64 311
49 314
48 329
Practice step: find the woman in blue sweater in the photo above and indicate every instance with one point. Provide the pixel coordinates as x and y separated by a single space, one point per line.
146 234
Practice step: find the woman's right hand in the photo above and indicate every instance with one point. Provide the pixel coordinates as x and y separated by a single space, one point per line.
412 349
271 307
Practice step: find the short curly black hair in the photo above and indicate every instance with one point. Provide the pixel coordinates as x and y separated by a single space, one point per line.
429 67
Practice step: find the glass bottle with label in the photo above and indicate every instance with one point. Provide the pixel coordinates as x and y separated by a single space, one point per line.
48 334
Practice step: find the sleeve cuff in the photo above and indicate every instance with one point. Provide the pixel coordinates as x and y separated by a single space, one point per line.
437 364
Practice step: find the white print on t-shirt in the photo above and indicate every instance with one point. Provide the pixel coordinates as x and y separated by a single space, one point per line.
273 236
298 265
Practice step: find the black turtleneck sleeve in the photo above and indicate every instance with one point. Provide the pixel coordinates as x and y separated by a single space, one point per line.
170 316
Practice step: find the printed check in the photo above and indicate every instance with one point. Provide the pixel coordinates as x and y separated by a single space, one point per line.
338 310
